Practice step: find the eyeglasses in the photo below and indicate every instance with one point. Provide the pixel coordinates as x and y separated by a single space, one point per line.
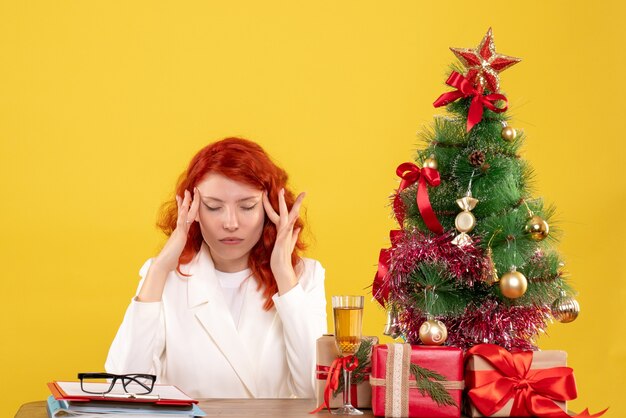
103 383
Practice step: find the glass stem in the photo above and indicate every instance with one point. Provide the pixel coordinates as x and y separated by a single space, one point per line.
346 388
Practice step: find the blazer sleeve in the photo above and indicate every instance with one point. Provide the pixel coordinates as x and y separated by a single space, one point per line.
139 344
302 311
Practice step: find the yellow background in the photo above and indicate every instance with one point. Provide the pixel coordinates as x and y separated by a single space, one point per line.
102 104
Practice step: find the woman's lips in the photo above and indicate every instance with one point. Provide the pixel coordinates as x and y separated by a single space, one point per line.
231 241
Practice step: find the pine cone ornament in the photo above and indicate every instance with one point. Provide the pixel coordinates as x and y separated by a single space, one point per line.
477 158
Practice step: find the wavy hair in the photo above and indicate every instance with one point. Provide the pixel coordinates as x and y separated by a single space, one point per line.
246 162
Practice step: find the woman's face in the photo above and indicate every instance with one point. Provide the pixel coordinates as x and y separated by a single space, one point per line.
231 218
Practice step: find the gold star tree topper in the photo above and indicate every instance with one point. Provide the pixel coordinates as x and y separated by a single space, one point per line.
483 63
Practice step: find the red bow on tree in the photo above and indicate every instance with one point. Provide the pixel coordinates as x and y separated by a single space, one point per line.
534 392
410 173
464 88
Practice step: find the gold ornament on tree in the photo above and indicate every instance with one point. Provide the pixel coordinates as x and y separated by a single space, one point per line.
508 133
430 162
392 328
465 221
536 227
433 332
565 309
513 284
490 274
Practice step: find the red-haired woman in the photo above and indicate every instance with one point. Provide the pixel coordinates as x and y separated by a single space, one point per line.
227 309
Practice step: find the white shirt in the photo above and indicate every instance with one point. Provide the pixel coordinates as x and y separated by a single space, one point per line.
234 286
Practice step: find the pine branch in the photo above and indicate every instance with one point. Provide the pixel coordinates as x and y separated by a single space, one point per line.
428 384
363 355
450 298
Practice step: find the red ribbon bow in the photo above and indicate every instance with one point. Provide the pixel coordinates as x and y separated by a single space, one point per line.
464 88
534 392
332 380
410 173
322 373
380 286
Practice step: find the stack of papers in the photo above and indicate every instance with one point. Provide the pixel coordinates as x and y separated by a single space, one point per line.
69 400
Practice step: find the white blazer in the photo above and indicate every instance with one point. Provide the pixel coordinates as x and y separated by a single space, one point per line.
189 339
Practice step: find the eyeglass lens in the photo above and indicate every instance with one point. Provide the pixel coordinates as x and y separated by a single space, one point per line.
140 384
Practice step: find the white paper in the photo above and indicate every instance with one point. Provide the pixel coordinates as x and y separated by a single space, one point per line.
162 391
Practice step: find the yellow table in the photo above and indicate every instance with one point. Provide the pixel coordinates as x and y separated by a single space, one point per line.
231 408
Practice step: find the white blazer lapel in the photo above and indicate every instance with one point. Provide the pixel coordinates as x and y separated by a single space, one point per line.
205 296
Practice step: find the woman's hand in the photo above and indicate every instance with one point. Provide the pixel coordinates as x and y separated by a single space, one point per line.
187 212
286 238
167 260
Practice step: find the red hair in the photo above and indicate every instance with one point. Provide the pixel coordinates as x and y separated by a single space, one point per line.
246 162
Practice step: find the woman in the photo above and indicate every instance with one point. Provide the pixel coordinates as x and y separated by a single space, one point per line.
227 309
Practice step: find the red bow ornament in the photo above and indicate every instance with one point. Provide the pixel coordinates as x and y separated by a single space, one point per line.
464 88
426 176
535 392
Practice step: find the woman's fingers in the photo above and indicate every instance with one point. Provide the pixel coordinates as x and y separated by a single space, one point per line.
195 205
183 207
285 217
186 199
282 205
294 238
179 203
269 210
295 209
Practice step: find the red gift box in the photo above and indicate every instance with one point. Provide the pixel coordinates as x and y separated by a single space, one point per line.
394 388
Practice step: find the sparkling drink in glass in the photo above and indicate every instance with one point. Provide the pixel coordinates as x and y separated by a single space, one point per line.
348 315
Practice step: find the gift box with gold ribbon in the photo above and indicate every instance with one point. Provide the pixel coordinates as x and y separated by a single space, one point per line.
521 384
416 381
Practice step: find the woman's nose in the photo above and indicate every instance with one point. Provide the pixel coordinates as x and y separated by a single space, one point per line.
230 222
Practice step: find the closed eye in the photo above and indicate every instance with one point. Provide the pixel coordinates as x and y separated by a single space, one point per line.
249 207
212 208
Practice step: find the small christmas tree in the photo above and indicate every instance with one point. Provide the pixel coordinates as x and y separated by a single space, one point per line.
475 260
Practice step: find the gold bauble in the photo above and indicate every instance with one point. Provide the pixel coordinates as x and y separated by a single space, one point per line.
513 284
565 309
537 228
465 221
430 162
508 133
433 332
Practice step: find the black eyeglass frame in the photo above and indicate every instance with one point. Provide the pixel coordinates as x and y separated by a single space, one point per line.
126 380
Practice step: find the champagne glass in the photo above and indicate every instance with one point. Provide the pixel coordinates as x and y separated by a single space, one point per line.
348 314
